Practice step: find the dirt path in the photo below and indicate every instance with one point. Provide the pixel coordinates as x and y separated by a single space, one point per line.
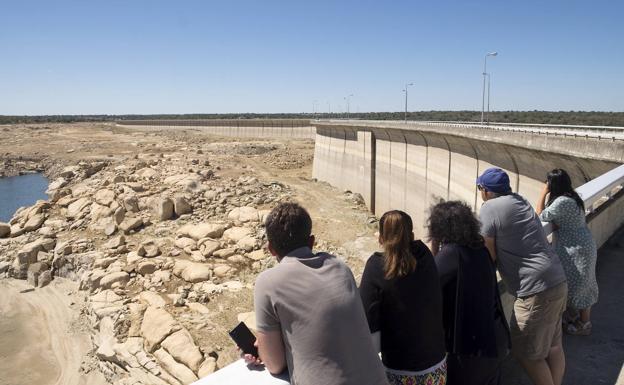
40 341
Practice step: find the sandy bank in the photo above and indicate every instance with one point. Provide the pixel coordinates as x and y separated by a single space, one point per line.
41 341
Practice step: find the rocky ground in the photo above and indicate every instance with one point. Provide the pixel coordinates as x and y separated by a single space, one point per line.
161 234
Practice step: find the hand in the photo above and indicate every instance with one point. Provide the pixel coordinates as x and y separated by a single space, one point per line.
545 189
250 359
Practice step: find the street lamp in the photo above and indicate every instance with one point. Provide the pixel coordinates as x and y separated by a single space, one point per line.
405 90
484 75
487 116
314 109
346 98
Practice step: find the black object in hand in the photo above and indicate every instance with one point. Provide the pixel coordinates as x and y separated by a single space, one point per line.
245 339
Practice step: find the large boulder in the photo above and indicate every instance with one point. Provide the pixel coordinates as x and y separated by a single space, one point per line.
207 367
190 182
105 197
120 277
244 214
56 184
163 208
34 271
247 243
223 271
202 230
131 223
146 267
235 234
45 278
184 242
115 243
5 230
119 215
152 299
75 209
146 173
191 271
131 203
99 211
182 347
34 222
208 246
177 370
148 249
106 302
257 255
182 206
26 256
157 325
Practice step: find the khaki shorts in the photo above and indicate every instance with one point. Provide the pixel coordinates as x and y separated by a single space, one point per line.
536 322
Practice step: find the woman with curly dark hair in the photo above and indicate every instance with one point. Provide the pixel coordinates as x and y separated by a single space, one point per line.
476 333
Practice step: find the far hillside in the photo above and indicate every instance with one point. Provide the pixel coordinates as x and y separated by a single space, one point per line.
590 118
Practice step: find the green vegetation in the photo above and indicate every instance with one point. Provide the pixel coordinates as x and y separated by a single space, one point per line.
591 118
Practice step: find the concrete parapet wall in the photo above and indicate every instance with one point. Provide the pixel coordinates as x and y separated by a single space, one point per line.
240 128
410 169
608 220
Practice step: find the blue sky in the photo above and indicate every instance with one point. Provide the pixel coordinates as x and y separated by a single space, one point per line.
150 56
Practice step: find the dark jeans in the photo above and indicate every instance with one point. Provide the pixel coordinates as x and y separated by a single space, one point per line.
473 370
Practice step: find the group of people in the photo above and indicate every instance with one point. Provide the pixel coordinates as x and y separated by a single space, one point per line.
433 314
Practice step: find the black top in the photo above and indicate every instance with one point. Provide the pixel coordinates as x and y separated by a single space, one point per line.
406 310
474 321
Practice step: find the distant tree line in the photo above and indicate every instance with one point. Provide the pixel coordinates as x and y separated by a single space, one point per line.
590 118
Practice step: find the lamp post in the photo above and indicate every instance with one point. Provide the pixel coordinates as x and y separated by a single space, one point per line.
487 116
405 90
484 75
346 98
314 109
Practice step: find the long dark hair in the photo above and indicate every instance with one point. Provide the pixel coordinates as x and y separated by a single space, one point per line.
560 184
396 235
454 222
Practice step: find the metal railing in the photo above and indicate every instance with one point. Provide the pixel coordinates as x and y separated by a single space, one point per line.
588 132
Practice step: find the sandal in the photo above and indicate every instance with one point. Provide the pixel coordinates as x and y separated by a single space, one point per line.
568 319
579 328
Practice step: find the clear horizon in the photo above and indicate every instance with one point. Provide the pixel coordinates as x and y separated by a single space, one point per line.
155 57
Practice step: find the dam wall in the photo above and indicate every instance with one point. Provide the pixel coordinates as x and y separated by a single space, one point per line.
239 128
410 168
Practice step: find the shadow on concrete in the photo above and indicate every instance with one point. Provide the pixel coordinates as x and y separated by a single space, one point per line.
599 358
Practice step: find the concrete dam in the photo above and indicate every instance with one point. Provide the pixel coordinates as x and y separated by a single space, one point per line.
409 166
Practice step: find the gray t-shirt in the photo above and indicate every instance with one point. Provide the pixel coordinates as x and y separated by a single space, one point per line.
314 301
526 261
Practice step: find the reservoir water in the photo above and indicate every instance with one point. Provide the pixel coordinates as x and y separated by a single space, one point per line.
18 191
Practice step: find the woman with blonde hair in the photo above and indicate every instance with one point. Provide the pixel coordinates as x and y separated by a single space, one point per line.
402 299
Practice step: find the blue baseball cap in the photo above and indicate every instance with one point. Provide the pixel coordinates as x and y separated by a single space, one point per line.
495 180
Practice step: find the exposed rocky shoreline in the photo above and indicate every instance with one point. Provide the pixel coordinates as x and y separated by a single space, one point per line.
145 237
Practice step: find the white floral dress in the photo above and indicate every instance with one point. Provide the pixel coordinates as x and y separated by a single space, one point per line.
576 248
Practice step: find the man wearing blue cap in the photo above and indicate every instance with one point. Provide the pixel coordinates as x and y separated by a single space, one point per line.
531 271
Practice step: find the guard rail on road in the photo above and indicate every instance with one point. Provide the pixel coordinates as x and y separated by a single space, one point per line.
594 132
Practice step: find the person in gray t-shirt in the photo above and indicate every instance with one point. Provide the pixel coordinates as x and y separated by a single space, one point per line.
309 314
531 271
